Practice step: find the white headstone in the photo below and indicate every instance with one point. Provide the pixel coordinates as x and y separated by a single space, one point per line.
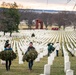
3 62
69 72
52 56
38 58
47 69
41 55
45 52
42 74
67 66
20 59
66 58
66 53
50 61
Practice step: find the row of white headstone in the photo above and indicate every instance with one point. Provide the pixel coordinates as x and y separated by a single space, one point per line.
21 48
69 43
40 55
47 67
67 63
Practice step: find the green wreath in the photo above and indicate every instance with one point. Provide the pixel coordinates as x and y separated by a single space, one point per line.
30 55
7 55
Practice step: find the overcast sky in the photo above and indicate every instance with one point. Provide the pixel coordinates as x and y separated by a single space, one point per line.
45 4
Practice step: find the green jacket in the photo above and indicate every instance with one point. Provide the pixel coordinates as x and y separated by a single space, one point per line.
50 48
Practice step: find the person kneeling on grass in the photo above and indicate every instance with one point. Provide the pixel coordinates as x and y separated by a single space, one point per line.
8 62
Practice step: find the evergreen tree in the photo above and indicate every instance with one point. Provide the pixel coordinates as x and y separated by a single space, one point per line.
11 19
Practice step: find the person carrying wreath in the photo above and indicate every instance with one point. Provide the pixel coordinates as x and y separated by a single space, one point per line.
30 62
8 61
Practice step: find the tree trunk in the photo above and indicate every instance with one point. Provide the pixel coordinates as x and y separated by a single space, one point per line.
46 27
4 32
29 27
64 27
59 26
10 34
74 27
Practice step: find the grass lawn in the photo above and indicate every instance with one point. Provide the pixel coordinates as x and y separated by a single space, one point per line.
73 64
56 69
58 66
22 69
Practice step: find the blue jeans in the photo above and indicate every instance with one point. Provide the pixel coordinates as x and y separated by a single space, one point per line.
30 64
57 52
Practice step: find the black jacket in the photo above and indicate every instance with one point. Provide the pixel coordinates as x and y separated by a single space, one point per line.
29 48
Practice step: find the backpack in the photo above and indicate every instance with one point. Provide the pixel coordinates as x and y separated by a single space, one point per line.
53 48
